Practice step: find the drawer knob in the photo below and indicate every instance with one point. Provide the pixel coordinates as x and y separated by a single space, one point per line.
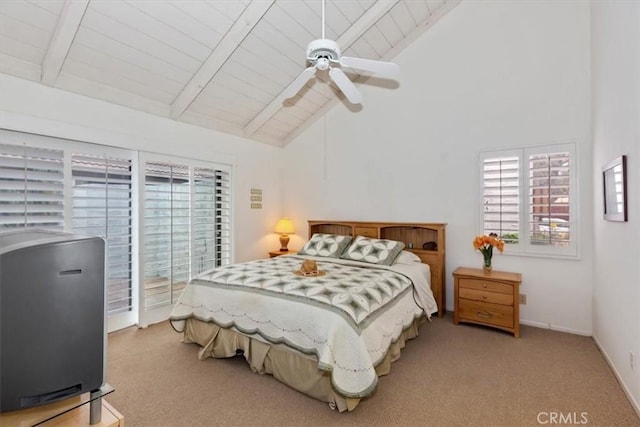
484 314
484 297
484 285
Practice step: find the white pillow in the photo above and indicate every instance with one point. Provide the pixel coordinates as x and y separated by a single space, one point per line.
327 245
374 251
407 257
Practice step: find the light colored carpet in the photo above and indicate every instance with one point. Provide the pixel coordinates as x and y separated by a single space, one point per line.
448 376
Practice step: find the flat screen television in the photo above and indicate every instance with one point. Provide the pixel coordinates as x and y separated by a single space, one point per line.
52 317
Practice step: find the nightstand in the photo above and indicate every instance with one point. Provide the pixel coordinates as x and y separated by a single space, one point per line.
490 299
274 254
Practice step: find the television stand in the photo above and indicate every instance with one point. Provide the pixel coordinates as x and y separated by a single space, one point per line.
88 409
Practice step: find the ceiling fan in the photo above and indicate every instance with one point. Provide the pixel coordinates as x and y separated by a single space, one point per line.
324 54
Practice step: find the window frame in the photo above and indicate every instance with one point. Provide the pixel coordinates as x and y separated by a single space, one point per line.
161 312
69 148
79 174
525 247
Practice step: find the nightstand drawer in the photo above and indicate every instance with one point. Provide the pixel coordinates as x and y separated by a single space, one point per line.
485 296
486 285
486 313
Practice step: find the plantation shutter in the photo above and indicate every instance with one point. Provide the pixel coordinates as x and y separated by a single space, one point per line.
102 207
501 194
204 233
223 218
186 228
31 187
166 233
211 216
549 199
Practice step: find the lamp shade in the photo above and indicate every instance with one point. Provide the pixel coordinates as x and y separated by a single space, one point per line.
285 226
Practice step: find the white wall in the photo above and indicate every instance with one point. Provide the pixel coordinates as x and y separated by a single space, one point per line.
29 107
490 75
616 131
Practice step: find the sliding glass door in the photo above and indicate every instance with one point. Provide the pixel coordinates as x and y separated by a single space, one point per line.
62 185
185 228
164 219
102 206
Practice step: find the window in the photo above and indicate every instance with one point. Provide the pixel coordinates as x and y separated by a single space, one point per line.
211 239
528 199
167 217
501 197
164 221
31 187
186 227
102 207
64 185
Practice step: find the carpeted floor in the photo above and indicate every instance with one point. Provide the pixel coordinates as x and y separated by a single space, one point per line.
448 376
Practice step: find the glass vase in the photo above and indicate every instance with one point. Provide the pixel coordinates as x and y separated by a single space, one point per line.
486 266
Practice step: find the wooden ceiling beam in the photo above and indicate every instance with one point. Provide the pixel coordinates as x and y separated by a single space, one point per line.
65 32
353 33
219 55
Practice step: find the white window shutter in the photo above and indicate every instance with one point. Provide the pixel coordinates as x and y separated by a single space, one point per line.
501 197
166 232
102 207
223 218
31 187
528 197
549 199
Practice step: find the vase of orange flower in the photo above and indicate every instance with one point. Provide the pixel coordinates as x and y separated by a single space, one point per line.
485 245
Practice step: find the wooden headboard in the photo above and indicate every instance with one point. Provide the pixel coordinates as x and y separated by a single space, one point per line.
426 240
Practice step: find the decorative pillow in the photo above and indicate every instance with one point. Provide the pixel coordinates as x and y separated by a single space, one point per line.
327 245
375 251
406 257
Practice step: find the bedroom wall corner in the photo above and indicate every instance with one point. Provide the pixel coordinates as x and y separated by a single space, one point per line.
616 131
488 76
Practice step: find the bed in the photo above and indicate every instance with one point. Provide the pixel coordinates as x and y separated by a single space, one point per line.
330 331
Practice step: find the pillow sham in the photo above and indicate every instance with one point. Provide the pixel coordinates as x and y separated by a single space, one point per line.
374 251
406 257
327 245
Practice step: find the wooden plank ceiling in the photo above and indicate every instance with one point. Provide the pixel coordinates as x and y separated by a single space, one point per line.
216 64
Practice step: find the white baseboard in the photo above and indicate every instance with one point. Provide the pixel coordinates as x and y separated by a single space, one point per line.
555 328
634 403
546 326
625 388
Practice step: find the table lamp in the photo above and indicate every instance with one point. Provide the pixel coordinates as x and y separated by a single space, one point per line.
284 227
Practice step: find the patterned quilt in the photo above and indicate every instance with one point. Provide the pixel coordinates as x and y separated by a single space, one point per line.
347 318
355 292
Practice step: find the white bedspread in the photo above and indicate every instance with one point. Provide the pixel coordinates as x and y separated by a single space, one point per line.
349 354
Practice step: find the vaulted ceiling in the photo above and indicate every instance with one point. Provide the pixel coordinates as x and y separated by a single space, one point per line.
216 64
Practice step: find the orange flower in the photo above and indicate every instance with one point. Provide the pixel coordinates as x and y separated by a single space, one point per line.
485 244
477 242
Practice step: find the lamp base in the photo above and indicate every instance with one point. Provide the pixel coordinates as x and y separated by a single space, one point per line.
284 241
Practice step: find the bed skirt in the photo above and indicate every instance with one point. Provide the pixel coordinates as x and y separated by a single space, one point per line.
289 366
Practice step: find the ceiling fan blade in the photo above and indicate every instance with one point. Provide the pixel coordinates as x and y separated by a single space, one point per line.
384 69
345 85
295 86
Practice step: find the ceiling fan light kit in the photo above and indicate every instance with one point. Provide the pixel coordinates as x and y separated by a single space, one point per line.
324 54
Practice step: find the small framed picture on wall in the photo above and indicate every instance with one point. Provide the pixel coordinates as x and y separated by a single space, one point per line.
614 182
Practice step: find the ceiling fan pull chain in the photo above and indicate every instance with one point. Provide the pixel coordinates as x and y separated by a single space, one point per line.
323 18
